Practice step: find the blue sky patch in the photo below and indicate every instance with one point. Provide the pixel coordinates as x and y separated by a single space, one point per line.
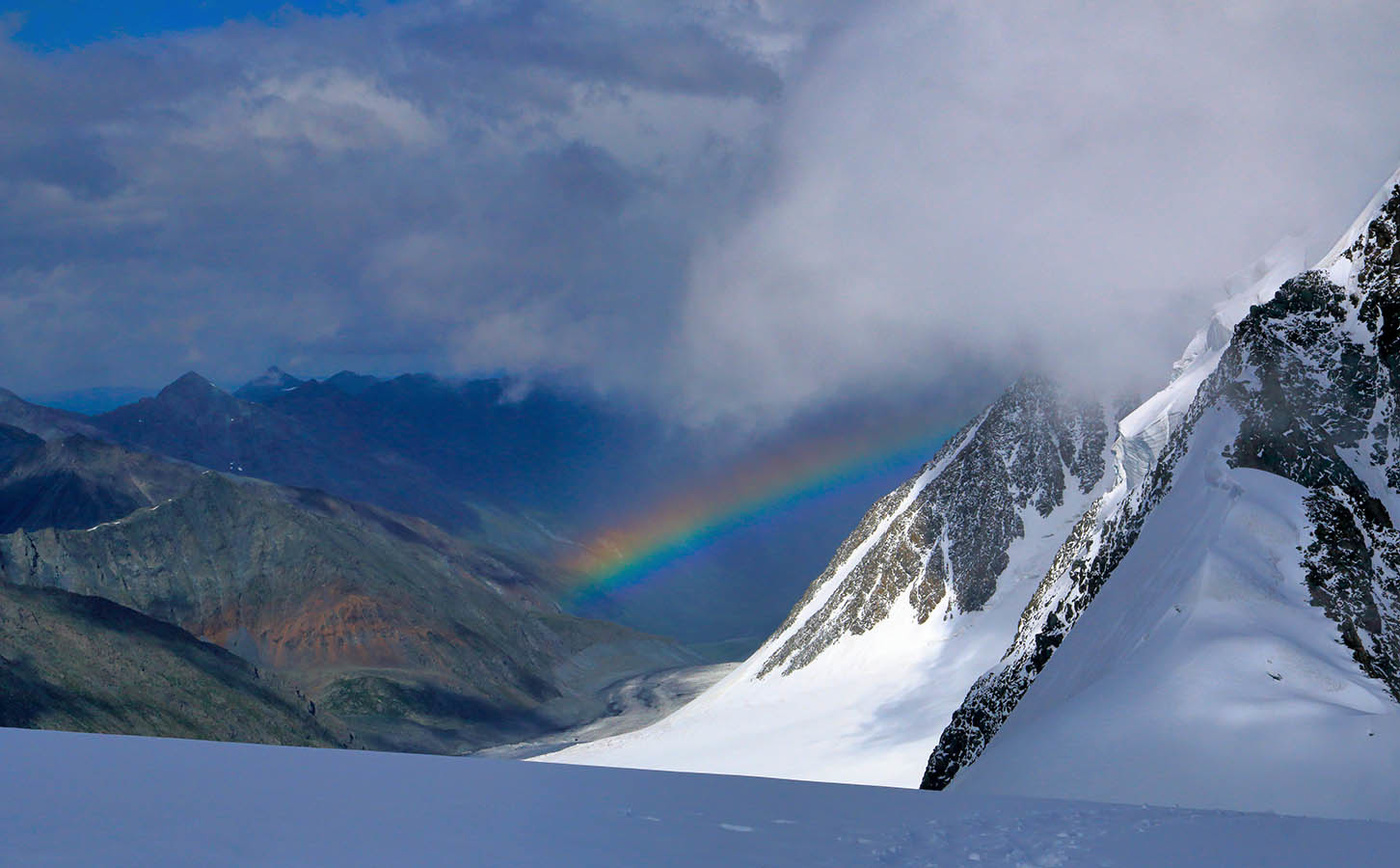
60 24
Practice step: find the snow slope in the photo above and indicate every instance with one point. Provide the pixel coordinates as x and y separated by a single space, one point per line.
1202 675
75 799
868 713
857 685
1224 629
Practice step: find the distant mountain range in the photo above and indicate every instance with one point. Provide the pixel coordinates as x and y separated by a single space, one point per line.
528 473
414 638
386 546
451 453
390 547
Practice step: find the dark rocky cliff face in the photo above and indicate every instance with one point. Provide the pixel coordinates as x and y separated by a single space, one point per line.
1312 377
1316 382
945 533
76 482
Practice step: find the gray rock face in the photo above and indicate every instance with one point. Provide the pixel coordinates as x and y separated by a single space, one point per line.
946 532
1312 376
76 482
1315 381
44 422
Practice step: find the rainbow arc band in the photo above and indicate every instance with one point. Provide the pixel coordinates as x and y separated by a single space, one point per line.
627 554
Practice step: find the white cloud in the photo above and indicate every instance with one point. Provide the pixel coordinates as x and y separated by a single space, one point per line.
749 209
331 110
1021 185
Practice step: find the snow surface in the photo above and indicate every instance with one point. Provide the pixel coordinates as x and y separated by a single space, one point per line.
869 709
1143 432
115 800
1201 675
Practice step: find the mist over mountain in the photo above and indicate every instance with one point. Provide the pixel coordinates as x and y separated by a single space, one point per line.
1196 610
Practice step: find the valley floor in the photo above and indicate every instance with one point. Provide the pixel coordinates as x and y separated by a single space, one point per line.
633 704
116 800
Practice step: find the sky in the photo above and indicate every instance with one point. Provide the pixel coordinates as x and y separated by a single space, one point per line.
66 24
735 212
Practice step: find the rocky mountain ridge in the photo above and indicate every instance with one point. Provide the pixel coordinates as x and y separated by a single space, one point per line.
1304 390
1032 449
414 637
913 607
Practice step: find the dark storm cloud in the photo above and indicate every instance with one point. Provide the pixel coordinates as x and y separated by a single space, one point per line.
738 210
452 186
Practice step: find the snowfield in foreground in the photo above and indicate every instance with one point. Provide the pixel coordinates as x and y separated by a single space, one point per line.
115 800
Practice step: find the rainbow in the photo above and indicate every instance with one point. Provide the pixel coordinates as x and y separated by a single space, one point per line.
627 553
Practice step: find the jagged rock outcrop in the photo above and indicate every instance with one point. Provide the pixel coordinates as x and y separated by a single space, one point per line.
944 535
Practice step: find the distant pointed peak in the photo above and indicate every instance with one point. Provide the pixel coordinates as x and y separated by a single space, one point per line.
275 374
190 385
193 378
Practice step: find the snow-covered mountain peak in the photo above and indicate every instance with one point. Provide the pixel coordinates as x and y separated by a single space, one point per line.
1269 466
1023 459
1143 432
915 605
